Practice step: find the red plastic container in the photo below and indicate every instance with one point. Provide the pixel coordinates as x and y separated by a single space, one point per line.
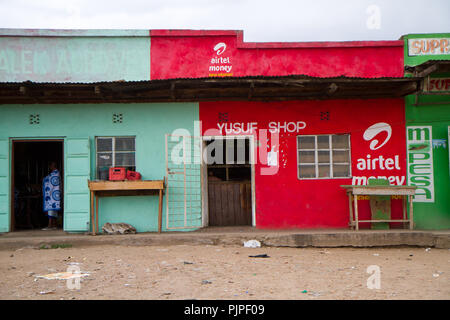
117 173
133 175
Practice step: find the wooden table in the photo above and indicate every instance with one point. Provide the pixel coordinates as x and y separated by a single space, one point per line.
405 191
124 188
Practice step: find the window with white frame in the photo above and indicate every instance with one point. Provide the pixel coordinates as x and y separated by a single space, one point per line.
323 156
115 152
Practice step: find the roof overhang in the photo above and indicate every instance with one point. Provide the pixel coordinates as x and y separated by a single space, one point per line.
209 89
428 67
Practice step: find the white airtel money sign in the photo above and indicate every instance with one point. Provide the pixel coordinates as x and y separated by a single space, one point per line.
220 64
372 131
220 48
378 135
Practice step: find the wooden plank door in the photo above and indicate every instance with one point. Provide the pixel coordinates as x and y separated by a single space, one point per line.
230 203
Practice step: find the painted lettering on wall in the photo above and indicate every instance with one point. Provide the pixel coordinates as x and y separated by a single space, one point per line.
438 85
219 65
251 127
420 162
78 59
379 166
428 46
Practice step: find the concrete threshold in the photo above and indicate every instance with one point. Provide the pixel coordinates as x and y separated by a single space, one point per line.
236 236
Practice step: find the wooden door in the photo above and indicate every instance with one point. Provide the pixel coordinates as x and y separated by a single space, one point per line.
230 203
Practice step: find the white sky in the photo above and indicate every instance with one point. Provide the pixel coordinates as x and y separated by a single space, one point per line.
261 20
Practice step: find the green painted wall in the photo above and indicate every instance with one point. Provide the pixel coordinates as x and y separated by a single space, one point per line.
434 111
433 215
148 122
415 60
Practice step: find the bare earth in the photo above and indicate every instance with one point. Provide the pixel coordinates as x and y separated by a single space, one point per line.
218 272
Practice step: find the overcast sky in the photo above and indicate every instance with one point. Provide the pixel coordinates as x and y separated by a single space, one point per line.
261 20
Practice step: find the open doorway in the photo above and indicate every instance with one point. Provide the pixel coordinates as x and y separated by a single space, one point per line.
229 174
31 161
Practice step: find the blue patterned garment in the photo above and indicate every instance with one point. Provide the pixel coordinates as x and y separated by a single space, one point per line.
52 195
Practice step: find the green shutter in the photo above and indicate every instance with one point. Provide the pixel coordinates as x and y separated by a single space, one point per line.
76 191
4 185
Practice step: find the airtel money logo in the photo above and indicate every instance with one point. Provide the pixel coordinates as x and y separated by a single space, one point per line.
220 65
220 48
372 131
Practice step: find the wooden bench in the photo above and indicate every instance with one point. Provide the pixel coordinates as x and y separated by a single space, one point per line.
124 188
380 190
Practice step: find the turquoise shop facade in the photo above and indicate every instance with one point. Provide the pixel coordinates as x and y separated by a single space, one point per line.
86 56
78 125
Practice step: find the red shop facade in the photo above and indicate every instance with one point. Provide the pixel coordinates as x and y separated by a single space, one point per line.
296 152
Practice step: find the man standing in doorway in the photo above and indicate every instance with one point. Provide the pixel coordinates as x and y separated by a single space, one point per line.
52 195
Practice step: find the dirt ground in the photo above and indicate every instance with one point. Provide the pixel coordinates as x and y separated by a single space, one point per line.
226 272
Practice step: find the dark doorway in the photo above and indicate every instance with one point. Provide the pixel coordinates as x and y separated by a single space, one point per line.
30 164
229 182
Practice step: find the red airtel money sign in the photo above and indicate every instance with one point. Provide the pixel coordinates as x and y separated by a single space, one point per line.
282 200
194 54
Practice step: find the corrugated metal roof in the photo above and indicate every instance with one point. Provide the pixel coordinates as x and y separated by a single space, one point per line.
251 88
428 67
234 78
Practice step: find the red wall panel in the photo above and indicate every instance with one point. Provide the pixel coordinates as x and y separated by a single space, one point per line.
284 201
189 54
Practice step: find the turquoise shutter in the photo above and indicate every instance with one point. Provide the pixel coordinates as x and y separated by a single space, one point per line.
76 191
4 185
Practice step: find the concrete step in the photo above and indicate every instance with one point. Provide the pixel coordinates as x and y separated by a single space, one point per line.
271 238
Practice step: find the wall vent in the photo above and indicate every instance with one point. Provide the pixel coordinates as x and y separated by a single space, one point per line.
325 115
223 116
34 119
117 117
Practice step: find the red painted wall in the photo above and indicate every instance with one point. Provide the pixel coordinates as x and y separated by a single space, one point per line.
284 201
189 54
